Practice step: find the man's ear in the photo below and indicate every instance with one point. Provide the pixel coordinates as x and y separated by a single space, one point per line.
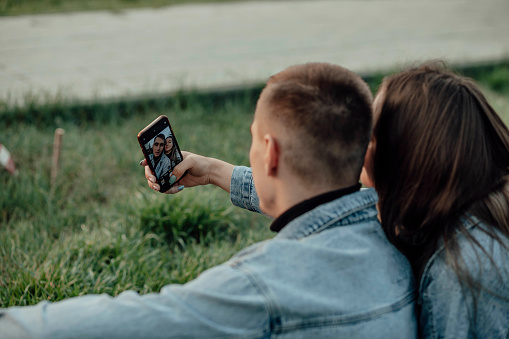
272 154
367 168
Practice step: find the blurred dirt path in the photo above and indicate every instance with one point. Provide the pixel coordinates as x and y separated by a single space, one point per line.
105 55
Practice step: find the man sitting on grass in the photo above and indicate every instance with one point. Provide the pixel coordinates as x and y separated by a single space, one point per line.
330 272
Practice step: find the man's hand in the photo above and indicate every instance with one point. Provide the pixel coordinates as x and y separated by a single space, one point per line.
200 171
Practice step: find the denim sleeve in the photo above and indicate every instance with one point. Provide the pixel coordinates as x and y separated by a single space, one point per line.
242 190
221 302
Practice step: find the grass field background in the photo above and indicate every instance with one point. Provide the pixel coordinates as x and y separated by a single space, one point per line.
100 229
20 7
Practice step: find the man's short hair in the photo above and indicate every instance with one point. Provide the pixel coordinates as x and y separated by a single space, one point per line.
325 112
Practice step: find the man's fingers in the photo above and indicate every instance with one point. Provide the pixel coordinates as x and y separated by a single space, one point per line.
148 174
177 173
174 189
183 166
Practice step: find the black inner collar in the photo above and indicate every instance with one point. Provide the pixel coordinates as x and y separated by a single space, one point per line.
307 205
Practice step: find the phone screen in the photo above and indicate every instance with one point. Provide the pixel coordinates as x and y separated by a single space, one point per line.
161 150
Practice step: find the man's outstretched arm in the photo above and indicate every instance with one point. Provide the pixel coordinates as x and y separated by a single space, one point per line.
221 302
198 170
236 180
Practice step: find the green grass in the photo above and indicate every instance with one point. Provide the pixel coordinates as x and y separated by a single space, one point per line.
20 7
92 233
100 229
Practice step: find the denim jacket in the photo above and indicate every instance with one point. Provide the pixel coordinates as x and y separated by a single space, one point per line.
329 273
448 309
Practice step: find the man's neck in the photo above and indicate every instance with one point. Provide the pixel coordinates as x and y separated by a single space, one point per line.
156 159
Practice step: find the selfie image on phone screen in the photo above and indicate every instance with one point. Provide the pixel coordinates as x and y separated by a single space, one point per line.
163 155
161 149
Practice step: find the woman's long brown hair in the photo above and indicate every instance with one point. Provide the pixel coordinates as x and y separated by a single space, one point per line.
440 151
172 154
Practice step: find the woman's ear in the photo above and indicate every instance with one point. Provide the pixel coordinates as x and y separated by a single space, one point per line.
367 169
271 158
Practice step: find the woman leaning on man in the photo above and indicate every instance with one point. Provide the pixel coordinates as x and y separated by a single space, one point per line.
439 161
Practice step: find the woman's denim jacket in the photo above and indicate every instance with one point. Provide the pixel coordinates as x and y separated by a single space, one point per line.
450 309
330 273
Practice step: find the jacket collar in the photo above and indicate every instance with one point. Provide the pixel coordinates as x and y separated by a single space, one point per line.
307 205
333 213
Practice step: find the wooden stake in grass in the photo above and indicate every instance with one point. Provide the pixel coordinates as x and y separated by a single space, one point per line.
59 132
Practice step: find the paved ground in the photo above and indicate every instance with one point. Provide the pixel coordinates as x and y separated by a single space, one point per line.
105 55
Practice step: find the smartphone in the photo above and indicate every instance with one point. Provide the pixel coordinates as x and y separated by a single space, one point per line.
161 149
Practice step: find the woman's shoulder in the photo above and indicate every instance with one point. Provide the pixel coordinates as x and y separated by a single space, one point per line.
472 277
480 258
482 252
481 245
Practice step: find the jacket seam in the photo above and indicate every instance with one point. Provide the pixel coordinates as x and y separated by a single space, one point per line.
430 324
275 319
470 223
344 215
406 300
274 315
